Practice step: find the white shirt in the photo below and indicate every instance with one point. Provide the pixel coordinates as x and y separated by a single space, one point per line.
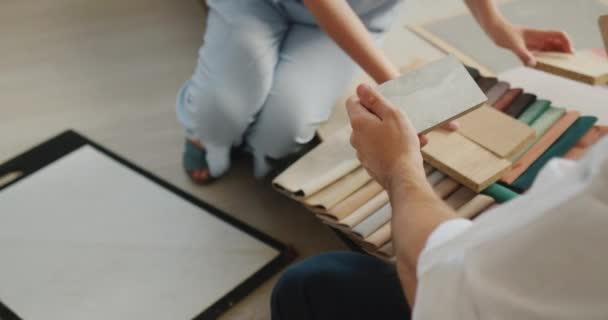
543 255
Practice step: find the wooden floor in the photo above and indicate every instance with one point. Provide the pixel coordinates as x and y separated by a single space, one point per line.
111 69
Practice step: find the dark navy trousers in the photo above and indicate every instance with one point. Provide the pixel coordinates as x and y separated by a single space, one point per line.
339 285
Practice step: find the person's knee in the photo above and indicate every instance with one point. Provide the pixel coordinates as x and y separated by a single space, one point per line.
318 273
291 130
303 286
216 112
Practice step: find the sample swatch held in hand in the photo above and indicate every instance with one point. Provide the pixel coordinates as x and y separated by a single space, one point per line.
434 94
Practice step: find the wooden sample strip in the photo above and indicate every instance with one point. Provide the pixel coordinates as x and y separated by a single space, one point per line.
463 160
320 167
434 94
583 66
495 131
354 201
380 237
540 146
503 102
460 197
497 91
475 206
589 139
446 187
339 190
365 210
520 104
603 24
372 223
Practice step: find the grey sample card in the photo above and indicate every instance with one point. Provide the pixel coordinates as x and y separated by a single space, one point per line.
434 93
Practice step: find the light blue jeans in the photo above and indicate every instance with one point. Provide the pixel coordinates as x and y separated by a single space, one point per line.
267 76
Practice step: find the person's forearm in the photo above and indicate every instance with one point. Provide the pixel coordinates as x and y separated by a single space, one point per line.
343 25
486 13
417 211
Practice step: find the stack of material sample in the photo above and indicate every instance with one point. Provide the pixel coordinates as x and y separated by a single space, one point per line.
507 139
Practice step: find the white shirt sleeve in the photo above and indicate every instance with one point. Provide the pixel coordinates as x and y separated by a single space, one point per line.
540 256
443 233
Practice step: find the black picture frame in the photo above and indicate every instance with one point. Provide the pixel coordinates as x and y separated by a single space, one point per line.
57 147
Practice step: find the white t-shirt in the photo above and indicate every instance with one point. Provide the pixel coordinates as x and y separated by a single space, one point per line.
543 255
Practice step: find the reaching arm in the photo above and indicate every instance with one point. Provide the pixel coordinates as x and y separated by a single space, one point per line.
343 25
520 40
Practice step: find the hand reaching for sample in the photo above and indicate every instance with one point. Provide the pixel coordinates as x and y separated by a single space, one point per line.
523 41
386 142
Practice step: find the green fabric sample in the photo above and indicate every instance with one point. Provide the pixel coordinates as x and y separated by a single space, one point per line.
540 126
500 193
534 111
558 149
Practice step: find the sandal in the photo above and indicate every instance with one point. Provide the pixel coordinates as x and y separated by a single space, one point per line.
195 164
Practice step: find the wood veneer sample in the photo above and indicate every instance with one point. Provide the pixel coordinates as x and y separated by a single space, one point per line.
372 223
354 201
434 94
485 83
495 131
446 187
540 126
540 146
589 139
460 197
603 24
534 111
503 102
583 66
320 167
520 104
463 160
380 237
497 91
339 190
365 210
475 206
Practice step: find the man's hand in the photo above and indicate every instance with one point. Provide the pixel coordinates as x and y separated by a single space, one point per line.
389 148
386 142
522 41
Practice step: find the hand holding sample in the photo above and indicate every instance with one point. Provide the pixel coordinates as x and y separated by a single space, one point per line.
387 143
